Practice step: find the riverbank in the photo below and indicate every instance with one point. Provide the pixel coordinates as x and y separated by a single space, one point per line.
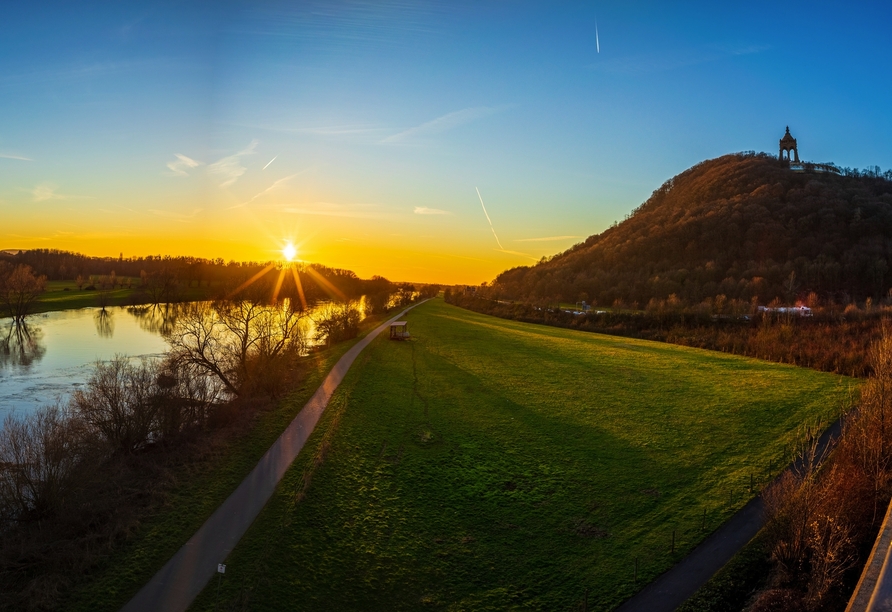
147 502
65 295
487 464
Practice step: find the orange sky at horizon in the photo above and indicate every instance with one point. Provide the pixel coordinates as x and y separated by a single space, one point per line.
428 144
413 258
190 212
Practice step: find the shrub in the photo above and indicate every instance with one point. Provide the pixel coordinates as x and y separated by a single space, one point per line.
39 455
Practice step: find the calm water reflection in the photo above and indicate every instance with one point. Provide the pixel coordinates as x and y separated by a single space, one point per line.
55 352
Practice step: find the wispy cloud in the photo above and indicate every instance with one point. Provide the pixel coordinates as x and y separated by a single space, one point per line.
424 210
182 163
276 185
18 157
176 216
545 239
47 191
527 255
230 168
331 209
75 72
321 130
443 123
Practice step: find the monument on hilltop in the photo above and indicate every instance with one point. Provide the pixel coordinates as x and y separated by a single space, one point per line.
787 145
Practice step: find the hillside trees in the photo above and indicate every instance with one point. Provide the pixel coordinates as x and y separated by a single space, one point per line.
739 225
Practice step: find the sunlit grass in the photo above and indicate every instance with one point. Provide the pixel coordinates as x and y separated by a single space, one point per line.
488 464
65 295
198 490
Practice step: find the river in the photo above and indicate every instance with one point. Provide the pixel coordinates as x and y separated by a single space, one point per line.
45 360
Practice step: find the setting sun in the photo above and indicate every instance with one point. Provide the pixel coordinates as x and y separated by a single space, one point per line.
289 252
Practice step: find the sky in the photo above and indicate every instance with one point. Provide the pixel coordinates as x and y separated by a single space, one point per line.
421 141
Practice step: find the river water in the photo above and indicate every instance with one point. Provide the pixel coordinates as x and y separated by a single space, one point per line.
54 353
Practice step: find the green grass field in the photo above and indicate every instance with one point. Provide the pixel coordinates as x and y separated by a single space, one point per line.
199 490
488 464
64 295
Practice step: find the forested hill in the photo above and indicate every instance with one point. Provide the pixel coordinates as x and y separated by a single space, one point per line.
743 225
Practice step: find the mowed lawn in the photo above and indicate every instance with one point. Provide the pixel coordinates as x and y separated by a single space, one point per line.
488 465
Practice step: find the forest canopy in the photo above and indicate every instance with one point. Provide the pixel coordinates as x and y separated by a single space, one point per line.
745 226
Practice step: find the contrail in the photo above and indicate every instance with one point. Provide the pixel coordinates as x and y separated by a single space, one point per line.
488 219
597 40
269 162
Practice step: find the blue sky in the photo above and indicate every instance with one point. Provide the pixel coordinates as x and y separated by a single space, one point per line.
361 130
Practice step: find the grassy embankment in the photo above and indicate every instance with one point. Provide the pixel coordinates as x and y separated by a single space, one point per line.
490 464
199 488
64 295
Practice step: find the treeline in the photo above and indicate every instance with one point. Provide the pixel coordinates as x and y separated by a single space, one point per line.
77 478
166 276
744 226
832 340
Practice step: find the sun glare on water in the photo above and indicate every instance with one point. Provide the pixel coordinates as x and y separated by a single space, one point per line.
289 252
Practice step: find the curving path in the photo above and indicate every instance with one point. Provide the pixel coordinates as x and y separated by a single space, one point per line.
182 578
682 580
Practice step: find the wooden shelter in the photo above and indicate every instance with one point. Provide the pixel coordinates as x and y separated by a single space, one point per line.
399 330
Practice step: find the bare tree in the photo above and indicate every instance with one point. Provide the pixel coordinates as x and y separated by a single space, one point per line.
120 403
869 430
162 286
187 395
336 322
38 457
236 341
19 289
792 504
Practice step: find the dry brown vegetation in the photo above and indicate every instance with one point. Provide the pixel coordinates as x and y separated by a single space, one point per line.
824 514
835 339
76 480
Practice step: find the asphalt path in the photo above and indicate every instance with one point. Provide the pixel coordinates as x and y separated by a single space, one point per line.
682 580
182 578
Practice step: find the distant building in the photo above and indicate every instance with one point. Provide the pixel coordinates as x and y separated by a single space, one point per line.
788 144
789 151
802 311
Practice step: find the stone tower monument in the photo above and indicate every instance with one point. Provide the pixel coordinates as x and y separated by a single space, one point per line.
788 146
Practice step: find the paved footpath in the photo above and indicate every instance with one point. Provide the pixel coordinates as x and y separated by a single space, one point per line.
182 578
682 580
